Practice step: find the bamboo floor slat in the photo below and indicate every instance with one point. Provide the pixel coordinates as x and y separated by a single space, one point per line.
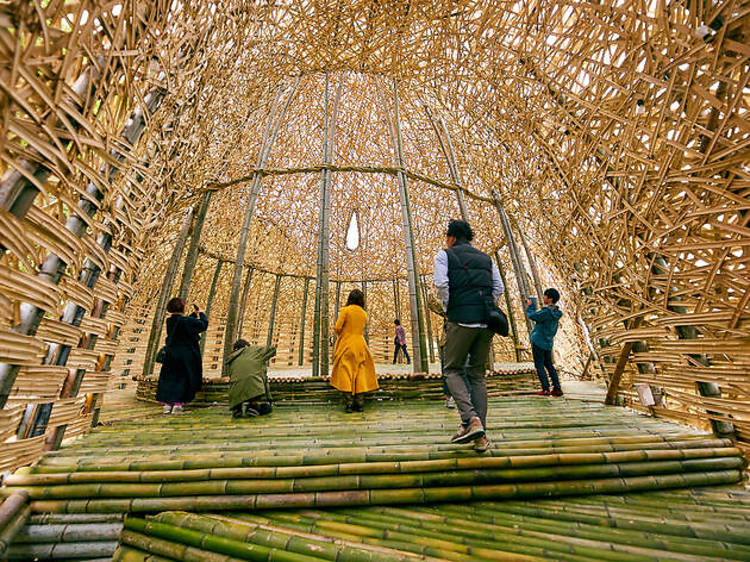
644 526
310 482
507 379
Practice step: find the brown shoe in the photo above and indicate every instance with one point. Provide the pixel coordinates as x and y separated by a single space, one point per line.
469 432
481 444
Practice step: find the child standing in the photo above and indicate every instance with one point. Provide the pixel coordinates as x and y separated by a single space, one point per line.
542 338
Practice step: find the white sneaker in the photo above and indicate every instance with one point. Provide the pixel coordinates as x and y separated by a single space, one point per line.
177 409
167 409
450 403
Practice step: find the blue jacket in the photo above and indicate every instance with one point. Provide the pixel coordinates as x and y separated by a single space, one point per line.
547 320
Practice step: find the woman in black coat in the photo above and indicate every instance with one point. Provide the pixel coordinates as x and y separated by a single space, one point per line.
181 373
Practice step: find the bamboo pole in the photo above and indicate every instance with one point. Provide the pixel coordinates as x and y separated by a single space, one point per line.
211 295
160 311
532 265
321 344
446 147
269 136
243 301
337 284
272 317
509 307
428 321
367 326
303 322
419 348
515 257
192 254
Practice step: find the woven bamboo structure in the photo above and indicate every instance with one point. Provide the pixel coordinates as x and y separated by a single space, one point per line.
220 151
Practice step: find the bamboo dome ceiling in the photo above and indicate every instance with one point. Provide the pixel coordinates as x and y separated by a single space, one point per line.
612 138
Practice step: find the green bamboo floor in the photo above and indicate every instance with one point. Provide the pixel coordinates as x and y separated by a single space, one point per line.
387 484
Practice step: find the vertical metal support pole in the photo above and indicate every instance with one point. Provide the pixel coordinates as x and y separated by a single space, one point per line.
164 295
210 302
192 254
302 322
272 317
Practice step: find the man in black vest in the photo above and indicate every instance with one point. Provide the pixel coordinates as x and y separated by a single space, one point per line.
467 283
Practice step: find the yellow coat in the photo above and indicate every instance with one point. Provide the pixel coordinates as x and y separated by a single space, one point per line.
353 367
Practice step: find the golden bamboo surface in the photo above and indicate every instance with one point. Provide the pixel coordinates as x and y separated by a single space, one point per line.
311 481
393 453
615 136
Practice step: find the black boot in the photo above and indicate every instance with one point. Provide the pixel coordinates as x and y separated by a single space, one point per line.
358 404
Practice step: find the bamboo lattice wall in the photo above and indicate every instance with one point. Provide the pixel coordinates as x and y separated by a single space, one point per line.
614 135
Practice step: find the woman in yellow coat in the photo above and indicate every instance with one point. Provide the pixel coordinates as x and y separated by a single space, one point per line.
353 368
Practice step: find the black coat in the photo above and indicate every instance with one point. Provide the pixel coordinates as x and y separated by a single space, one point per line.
181 373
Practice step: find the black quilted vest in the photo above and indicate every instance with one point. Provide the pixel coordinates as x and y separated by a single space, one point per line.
470 277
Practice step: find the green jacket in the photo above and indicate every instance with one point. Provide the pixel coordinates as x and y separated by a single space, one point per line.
248 377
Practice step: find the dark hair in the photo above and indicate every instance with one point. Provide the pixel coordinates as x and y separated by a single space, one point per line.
397 322
552 294
239 344
176 305
460 230
356 297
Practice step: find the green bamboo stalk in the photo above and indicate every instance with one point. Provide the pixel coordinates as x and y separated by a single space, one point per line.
374 496
243 302
375 467
212 543
129 554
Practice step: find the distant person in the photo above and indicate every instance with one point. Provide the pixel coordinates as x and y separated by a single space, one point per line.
468 285
399 342
542 337
353 367
181 374
249 393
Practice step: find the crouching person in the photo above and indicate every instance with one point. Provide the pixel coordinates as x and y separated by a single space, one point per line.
247 366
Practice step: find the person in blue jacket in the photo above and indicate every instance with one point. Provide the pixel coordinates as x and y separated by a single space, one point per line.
542 337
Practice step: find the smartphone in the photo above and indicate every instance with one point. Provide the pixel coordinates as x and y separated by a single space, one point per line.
533 301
